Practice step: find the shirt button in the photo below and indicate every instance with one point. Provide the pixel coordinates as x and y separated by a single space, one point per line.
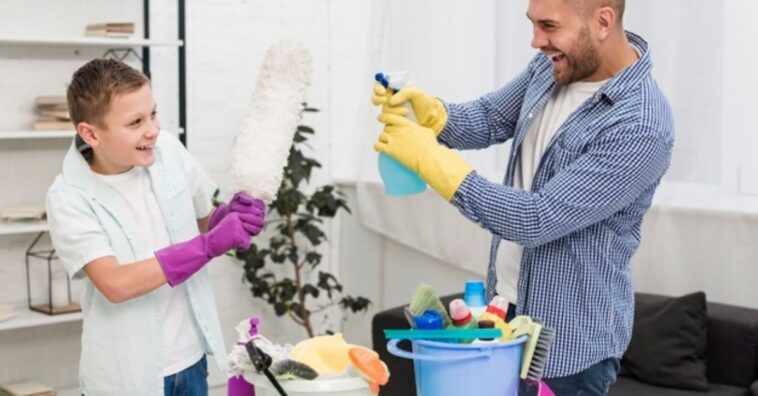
529 116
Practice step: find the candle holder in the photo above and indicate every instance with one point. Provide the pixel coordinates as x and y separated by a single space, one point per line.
58 291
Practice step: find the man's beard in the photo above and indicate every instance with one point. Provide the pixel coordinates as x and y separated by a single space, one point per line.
582 62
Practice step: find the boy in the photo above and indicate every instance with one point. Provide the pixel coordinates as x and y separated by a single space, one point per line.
131 214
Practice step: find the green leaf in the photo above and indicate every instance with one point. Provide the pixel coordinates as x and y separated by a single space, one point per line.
280 309
311 290
305 129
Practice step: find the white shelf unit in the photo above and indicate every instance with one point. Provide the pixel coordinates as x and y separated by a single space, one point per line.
22 228
91 42
33 134
26 318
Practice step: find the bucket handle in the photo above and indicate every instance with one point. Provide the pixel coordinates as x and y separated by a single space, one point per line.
397 351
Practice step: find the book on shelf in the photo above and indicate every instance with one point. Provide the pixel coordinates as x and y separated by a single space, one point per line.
22 213
111 29
47 101
7 312
52 114
54 125
26 388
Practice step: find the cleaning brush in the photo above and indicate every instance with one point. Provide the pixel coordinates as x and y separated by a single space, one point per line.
263 145
426 298
537 348
292 370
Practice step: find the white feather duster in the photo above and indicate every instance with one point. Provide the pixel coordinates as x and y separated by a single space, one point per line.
262 147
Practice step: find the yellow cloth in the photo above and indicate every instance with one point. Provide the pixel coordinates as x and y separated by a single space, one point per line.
429 111
417 148
325 354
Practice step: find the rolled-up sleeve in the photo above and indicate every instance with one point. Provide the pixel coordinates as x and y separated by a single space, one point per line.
77 235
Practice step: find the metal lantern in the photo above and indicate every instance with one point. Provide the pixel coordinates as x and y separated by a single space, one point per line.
58 291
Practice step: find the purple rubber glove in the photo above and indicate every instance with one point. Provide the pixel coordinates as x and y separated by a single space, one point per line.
181 260
241 202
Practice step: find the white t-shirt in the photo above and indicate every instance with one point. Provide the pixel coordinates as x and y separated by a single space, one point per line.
182 345
564 101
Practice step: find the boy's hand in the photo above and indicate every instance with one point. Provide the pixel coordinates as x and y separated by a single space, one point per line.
241 203
181 260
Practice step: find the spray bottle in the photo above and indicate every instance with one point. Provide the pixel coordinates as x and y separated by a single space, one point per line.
237 386
398 179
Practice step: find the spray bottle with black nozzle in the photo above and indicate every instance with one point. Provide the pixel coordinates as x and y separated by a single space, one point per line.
398 179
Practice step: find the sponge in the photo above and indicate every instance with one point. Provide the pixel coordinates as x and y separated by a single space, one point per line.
262 147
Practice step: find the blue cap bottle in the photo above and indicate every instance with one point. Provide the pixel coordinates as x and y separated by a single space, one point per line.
473 295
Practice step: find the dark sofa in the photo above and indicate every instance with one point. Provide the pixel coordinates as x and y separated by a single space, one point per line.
731 357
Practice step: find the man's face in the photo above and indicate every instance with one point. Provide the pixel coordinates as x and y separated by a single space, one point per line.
564 35
130 129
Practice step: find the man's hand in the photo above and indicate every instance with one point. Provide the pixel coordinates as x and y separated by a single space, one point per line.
416 147
429 111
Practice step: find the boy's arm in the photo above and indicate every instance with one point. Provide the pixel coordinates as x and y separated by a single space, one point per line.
119 283
202 224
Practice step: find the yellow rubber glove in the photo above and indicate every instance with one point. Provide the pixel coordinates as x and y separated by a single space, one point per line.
416 147
429 111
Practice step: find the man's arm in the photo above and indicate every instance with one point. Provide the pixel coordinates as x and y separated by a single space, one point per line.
202 224
488 120
613 172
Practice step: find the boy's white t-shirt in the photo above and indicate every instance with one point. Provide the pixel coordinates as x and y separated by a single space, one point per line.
182 345
564 101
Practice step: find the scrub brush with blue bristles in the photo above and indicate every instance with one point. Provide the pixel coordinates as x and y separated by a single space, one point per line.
537 347
426 298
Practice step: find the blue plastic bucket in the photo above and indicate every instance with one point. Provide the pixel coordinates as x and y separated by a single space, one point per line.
399 180
447 369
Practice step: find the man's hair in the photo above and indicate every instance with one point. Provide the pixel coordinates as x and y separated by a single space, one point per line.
585 6
94 86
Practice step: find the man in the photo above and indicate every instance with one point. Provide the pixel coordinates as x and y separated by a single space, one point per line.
592 137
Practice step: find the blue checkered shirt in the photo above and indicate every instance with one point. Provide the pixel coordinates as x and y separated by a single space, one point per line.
580 223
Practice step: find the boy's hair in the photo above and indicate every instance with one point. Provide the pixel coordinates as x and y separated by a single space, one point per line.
94 86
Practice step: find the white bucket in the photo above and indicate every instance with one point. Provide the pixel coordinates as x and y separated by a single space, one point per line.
323 387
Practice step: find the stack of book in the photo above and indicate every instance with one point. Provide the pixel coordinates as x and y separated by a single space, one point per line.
52 113
22 213
26 388
6 312
111 29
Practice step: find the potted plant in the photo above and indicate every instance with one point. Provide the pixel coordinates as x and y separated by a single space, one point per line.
284 269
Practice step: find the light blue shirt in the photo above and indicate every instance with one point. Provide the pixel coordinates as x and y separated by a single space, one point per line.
581 221
122 343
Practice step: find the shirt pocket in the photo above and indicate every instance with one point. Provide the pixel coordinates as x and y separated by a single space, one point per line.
181 209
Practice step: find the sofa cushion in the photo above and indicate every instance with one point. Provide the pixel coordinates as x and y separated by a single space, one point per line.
626 386
732 345
668 343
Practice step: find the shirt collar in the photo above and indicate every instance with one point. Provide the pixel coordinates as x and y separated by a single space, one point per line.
630 77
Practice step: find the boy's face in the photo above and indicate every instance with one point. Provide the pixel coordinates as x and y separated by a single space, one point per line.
128 134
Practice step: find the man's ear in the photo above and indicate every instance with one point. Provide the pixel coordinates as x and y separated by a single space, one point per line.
88 133
606 20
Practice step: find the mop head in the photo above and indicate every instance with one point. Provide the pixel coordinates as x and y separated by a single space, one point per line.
262 147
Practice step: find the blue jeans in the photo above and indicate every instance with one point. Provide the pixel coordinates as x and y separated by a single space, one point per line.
192 381
594 381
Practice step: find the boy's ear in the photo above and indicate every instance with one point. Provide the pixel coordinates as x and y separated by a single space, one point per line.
87 132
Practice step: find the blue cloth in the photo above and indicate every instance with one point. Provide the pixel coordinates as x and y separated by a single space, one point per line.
122 343
192 381
580 223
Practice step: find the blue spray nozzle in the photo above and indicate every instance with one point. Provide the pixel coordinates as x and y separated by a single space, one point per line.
382 79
